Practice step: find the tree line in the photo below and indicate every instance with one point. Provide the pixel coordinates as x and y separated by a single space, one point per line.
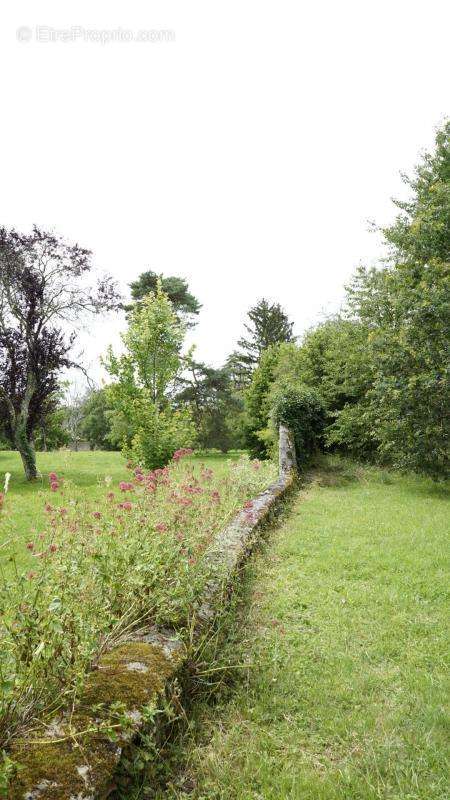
158 398
380 368
371 381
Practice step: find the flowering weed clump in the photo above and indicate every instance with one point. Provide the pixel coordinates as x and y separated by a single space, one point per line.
133 559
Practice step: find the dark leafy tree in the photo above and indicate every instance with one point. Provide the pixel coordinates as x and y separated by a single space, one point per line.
44 293
268 324
185 305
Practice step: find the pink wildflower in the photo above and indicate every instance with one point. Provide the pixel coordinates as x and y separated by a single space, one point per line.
215 496
161 527
30 545
54 486
181 453
53 548
63 511
96 515
127 506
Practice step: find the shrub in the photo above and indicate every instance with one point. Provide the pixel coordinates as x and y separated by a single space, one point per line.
159 434
303 411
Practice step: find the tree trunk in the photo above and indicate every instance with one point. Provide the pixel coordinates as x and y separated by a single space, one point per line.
18 425
26 450
23 440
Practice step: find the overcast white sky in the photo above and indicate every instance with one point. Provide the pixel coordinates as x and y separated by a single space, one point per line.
246 153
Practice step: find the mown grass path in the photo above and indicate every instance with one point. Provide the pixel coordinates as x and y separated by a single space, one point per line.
346 637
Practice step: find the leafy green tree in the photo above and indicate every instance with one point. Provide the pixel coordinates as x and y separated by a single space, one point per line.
333 359
383 367
216 407
268 324
258 434
51 432
420 232
153 343
394 370
406 309
96 423
185 305
143 375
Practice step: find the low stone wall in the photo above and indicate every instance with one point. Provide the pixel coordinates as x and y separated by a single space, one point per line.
77 756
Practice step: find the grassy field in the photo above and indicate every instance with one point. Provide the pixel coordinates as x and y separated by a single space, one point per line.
345 634
82 472
25 501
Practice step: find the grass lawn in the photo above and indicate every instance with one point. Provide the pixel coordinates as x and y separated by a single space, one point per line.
83 472
345 631
25 501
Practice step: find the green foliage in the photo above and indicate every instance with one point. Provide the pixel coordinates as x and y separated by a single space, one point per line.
143 374
97 420
153 342
420 232
52 433
268 325
185 305
258 435
302 410
405 408
332 360
217 408
382 367
405 309
159 433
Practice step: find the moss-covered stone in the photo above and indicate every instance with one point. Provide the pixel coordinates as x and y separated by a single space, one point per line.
63 770
79 763
118 681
